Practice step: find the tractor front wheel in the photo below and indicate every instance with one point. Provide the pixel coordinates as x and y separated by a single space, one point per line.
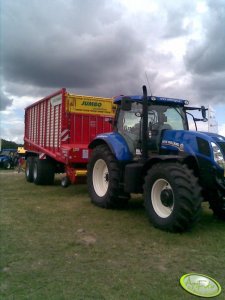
172 197
103 179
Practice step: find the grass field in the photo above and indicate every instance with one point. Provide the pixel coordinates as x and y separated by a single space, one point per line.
56 245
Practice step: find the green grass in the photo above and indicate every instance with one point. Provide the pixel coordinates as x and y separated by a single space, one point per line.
56 245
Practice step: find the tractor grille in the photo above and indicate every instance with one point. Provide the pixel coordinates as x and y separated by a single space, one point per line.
222 147
203 146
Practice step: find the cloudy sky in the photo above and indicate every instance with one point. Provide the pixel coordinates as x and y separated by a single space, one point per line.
106 48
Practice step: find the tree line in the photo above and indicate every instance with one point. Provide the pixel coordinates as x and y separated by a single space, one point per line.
9 144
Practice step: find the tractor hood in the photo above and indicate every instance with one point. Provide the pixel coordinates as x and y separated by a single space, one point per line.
192 142
180 135
213 137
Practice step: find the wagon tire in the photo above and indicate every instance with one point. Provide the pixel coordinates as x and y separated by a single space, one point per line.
172 197
29 169
103 178
43 172
65 182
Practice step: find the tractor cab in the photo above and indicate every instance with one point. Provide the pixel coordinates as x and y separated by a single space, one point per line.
162 114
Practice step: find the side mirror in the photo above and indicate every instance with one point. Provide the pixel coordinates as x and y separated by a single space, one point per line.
126 103
203 109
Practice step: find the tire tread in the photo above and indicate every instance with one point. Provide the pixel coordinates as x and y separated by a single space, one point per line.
188 207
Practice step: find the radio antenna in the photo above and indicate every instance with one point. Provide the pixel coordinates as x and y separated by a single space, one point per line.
148 82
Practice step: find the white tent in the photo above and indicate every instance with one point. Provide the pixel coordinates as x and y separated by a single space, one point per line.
212 122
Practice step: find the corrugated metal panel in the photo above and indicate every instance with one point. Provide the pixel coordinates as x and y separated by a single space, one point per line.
84 128
49 126
43 122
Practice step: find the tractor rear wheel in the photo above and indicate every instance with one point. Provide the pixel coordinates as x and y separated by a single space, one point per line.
172 197
103 179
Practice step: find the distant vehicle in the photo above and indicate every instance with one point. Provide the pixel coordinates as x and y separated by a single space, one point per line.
8 158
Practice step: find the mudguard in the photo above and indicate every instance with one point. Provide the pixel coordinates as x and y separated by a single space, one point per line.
116 143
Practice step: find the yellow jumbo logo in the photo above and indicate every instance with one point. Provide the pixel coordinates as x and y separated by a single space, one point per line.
90 105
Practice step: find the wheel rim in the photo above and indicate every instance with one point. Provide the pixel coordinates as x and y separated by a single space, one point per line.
162 198
100 178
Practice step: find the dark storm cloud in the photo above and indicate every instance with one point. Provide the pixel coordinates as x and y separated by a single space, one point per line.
175 15
96 47
210 90
4 101
207 56
86 45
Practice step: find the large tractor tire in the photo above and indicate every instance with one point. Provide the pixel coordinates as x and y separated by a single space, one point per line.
172 197
217 204
43 172
29 169
103 179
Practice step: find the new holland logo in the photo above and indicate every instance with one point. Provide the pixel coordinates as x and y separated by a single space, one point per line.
89 103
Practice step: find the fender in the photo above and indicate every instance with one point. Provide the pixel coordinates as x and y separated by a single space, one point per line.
116 143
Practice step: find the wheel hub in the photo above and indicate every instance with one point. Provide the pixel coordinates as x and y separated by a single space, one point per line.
167 197
100 177
106 177
162 198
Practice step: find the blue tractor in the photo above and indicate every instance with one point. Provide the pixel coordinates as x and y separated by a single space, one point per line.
152 151
8 158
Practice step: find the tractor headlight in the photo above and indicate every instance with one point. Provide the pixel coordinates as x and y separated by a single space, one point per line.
218 156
